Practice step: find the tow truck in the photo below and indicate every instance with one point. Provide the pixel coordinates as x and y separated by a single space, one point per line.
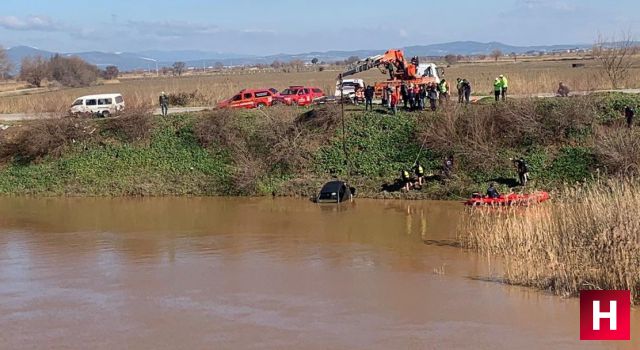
399 69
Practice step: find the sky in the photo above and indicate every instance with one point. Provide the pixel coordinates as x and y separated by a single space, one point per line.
286 26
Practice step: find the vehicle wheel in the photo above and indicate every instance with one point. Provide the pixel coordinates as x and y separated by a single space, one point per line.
105 114
261 105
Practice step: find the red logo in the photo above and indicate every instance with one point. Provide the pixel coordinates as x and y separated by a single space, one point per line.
605 315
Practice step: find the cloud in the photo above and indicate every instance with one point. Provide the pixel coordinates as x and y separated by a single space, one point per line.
173 29
30 23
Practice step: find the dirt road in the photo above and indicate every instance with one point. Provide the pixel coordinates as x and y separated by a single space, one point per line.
178 110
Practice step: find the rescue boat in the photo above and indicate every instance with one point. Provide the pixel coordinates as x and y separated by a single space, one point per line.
511 199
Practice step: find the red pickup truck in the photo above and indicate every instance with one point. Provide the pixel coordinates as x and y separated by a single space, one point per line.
250 98
300 95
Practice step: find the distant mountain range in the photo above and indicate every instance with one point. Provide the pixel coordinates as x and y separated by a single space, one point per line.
127 61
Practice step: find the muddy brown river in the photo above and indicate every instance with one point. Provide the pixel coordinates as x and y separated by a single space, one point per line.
216 273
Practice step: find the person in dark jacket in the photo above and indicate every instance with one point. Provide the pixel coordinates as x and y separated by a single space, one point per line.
422 95
404 93
447 167
466 90
369 92
410 98
522 169
492 192
432 94
164 104
629 113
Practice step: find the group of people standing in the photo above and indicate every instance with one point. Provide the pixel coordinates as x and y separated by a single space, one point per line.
413 96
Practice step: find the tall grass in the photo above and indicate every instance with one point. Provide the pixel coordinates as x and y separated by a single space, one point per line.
588 238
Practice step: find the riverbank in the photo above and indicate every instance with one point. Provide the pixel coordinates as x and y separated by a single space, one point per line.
292 152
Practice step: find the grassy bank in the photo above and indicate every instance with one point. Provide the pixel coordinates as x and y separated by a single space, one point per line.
285 151
588 238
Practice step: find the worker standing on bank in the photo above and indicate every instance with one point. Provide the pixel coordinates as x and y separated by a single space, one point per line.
497 88
466 90
164 104
443 88
460 91
505 85
394 102
369 92
629 113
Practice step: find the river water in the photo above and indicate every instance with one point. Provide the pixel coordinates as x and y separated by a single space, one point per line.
223 273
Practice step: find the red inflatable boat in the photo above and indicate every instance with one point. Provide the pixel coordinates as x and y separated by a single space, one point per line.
511 199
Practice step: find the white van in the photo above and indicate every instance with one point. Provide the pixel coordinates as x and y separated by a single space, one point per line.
102 105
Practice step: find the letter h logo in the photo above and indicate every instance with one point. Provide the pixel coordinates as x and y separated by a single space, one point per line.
605 315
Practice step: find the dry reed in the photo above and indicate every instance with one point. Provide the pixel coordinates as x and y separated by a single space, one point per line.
588 238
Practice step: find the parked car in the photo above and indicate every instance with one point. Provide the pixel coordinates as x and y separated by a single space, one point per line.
102 105
249 98
300 95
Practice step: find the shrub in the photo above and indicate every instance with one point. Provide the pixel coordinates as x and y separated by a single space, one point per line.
47 137
376 146
134 125
618 150
183 98
611 105
262 144
572 164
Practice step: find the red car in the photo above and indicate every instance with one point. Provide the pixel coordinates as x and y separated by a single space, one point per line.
250 98
300 95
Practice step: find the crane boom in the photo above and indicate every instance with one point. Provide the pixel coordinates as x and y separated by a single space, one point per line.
402 69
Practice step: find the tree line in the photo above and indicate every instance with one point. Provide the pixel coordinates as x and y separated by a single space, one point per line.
68 71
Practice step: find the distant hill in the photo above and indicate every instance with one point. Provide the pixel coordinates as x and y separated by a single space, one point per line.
147 59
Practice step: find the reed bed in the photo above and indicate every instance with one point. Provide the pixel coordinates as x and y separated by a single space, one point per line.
588 238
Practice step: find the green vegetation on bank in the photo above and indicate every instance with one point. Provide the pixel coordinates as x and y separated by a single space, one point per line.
286 151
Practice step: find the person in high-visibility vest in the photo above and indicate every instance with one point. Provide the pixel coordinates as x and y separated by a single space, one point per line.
418 170
406 180
443 88
505 85
497 88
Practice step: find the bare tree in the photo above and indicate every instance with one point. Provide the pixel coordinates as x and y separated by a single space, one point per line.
496 54
34 70
5 64
110 72
514 56
451 59
615 57
72 71
352 60
178 68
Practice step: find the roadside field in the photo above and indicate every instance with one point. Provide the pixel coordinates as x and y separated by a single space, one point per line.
525 77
